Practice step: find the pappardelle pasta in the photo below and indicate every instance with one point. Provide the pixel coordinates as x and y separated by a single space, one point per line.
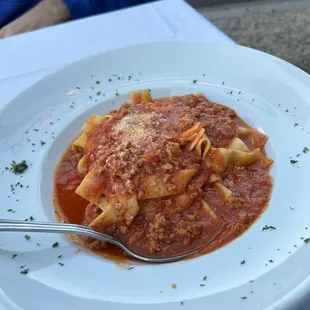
168 175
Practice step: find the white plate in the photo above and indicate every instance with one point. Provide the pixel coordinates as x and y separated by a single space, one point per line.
269 87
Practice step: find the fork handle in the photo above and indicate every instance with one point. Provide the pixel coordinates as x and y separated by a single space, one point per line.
50 227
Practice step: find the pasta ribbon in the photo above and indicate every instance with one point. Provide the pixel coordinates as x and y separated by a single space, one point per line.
237 145
219 158
140 96
159 186
203 146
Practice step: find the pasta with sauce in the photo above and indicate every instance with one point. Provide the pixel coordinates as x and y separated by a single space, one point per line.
168 175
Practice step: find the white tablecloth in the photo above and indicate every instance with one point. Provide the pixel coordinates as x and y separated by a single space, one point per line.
26 58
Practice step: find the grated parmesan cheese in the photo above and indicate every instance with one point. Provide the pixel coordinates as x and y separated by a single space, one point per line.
135 128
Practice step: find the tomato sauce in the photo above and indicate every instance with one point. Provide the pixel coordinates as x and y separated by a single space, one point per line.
165 228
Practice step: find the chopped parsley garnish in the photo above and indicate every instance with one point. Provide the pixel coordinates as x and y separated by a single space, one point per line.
307 240
204 278
202 285
286 110
14 255
195 81
25 271
243 297
27 237
182 303
129 77
230 93
11 210
77 87
131 267
42 142
116 94
38 244
296 124
266 227
97 82
31 218
18 168
270 261
293 161
55 245
98 93
242 262
305 150
110 80
36 129
61 264
59 256
22 267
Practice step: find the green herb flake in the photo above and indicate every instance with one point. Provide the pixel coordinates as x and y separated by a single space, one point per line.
59 256
25 271
305 150
98 93
18 168
182 303
243 297
293 161
27 237
31 218
55 245
205 278
307 240
270 261
110 80
11 210
202 285
14 255
131 267
267 227
60 264
242 262
36 129
116 94
97 82
195 81
296 124
42 142
286 110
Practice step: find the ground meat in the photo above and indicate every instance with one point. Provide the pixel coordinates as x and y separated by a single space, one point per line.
145 139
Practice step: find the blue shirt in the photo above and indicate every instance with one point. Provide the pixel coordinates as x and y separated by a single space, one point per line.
12 9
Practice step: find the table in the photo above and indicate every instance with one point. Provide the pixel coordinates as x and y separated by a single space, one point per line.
28 57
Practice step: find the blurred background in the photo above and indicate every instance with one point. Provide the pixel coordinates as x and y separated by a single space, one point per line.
278 27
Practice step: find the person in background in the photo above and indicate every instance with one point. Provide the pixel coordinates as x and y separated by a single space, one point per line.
18 16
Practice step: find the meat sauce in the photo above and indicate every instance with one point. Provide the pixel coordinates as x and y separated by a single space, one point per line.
166 228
